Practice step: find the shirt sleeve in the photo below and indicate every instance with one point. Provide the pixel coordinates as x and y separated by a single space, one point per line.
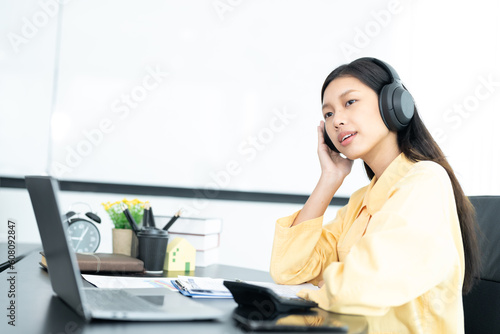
410 246
302 252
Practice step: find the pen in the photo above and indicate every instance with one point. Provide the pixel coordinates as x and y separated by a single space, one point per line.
130 219
151 217
145 216
179 284
172 220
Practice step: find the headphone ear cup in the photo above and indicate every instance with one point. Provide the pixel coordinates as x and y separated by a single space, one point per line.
328 141
404 106
396 106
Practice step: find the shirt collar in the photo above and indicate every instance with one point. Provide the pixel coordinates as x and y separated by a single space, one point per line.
378 190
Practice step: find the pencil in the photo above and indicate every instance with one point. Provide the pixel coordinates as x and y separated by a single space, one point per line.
130 219
172 220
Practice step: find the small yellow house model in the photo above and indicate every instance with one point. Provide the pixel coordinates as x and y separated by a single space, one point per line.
181 256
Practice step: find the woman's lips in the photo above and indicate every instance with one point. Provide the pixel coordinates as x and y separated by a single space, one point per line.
346 137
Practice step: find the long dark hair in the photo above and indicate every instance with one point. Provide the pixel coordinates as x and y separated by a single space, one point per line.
417 144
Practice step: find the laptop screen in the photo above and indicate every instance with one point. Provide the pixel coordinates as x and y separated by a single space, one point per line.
61 260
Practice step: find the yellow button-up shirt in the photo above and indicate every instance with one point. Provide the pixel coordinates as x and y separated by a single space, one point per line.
394 253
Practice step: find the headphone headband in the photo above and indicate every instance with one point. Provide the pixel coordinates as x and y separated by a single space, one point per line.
388 68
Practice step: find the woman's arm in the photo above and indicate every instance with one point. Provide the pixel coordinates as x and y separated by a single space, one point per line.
334 169
301 253
320 198
411 245
302 247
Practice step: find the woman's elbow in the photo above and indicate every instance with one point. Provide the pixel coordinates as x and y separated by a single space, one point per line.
277 275
290 277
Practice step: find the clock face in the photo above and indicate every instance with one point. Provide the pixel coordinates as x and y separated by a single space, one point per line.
84 236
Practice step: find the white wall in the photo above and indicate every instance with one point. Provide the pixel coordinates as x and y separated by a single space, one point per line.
205 84
232 66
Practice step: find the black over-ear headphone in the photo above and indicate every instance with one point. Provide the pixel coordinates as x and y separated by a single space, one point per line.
395 102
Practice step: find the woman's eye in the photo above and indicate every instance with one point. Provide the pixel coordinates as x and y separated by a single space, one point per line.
328 114
348 103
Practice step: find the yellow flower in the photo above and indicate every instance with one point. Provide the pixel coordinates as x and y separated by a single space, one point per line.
135 203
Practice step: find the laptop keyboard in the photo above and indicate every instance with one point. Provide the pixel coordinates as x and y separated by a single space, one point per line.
117 300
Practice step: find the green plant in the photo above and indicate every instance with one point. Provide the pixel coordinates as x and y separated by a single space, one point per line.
115 212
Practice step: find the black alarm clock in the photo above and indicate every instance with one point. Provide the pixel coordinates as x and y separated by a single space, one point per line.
83 234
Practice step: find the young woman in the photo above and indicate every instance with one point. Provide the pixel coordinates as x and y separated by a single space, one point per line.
403 250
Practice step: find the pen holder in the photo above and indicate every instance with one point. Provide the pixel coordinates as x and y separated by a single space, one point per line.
152 249
125 242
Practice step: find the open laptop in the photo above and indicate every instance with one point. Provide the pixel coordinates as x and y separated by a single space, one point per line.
91 303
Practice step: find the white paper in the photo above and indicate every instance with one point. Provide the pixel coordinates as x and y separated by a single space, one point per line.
120 282
210 286
216 286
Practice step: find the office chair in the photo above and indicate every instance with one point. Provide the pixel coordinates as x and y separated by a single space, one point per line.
482 303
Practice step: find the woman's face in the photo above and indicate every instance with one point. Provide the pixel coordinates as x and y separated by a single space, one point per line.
353 121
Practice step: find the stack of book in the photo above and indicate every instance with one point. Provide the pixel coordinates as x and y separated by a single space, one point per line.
202 233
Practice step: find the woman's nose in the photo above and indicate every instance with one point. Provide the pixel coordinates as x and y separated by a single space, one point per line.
338 120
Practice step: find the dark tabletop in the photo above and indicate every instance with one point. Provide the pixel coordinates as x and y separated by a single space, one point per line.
39 311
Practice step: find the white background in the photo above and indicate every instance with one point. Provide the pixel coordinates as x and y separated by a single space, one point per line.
232 66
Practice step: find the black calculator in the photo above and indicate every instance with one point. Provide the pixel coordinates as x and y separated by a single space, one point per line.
246 294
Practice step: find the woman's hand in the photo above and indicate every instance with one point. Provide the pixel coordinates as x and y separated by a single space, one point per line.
332 163
334 169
